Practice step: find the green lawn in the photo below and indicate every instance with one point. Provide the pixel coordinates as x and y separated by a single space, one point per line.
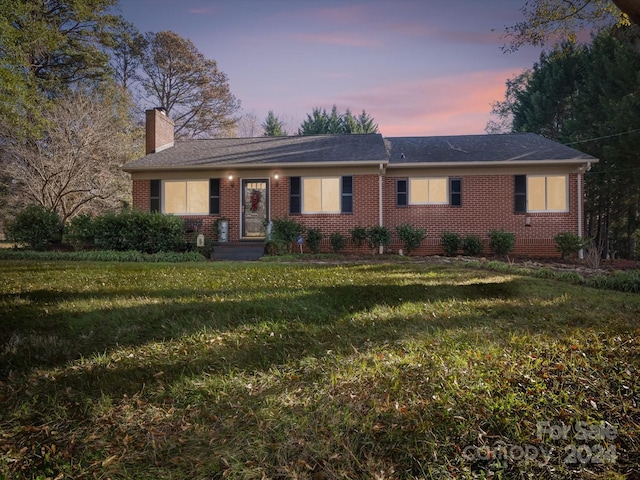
270 370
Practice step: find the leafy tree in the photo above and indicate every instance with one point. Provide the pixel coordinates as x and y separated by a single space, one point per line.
74 165
194 93
320 122
560 20
46 46
273 127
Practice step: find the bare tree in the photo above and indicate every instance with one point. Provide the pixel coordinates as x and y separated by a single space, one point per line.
194 93
75 165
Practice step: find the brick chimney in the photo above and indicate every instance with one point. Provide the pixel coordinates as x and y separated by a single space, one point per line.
159 130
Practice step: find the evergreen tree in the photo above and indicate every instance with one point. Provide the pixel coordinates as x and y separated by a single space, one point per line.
273 127
320 122
589 97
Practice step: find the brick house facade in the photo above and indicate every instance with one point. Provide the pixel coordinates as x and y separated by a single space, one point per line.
471 184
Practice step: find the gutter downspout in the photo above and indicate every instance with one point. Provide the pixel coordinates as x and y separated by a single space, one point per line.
580 206
380 219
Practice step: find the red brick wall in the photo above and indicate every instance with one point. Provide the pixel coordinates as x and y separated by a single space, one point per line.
487 203
365 213
141 192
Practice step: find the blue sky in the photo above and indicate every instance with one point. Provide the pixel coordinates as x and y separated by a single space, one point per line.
418 67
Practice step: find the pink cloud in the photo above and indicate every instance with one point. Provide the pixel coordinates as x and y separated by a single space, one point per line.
442 106
344 39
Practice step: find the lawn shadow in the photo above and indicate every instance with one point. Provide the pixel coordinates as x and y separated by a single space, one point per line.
252 336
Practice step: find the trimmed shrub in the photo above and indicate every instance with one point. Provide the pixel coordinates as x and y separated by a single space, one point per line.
337 242
501 242
314 236
284 233
378 236
568 243
142 231
35 227
80 231
451 243
101 256
471 245
411 237
359 236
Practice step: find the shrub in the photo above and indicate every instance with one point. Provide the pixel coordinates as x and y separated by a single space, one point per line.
411 237
378 236
337 242
501 242
471 245
284 233
80 231
314 236
568 243
35 227
359 236
142 231
451 243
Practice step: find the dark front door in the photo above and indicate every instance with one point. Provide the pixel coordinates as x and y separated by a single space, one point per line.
255 208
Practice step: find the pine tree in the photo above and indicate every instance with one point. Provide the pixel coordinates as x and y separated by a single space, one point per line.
273 127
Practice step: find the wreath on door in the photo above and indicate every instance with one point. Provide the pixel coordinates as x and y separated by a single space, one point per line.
256 196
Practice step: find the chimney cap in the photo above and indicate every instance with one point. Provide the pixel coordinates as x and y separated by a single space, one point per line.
161 110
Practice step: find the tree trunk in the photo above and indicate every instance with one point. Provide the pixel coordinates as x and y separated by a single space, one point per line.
631 8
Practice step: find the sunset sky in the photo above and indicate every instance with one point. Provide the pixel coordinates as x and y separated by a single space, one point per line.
418 67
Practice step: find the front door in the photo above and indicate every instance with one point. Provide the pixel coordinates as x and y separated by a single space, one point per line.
255 208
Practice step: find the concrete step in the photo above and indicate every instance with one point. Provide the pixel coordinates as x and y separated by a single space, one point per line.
238 251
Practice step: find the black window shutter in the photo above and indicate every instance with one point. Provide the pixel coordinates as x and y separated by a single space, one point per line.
401 192
347 194
154 196
214 196
294 195
455 191
520 189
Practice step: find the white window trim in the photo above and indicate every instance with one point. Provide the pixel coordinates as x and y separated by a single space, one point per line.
546 197
163 195
447 195
302 206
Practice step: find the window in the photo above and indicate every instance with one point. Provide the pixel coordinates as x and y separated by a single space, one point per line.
423 191
186 197
547 193
321 194
541 193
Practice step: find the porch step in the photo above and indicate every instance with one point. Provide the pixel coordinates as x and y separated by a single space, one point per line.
238 251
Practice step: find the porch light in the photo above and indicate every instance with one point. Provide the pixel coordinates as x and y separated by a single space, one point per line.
230 177
276 178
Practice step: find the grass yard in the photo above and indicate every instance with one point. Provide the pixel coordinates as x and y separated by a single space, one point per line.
296 371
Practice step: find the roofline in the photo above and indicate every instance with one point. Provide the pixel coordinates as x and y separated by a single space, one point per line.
367 163
247 166
493 163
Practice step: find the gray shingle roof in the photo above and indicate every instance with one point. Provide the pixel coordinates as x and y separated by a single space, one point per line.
223 152
516 147
359 149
